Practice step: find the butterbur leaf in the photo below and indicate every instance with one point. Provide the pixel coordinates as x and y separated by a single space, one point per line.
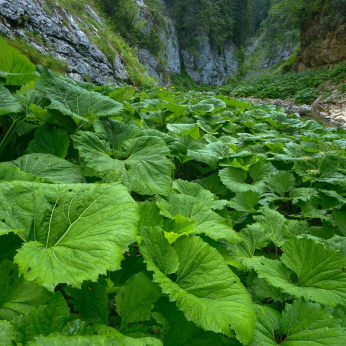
8 104
243 252
202 108
245 201
235 180
197 191
320 277
209 154
206 220
281 182
124 340
50 140
268 321
115 132
213 184
91 301
10 172
206 290
340 220
14 66
147 170
96 155
157 251
185 129
9 243
123 94
280 229
43 320
7 334
135 299
177 227
306 323
74 232
149 215
263 290
51 168
75 101
77 340
182 332
17 295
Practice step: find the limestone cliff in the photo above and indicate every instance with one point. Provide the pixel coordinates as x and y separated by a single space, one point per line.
54 29
321 45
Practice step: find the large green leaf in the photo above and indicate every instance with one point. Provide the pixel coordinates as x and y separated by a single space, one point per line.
75 101
205 289
91 301
115 132
281 182
268 321
9 172
243 252
15 67
17 296
124 339
43 320
146 170
155 246
182 332
278 227
7 334
307 323
206 220
53 168
245 201
123 94
149 169
50 139
8 104
210 153
135 299
197 191
74 232
235 178
320 277
77 340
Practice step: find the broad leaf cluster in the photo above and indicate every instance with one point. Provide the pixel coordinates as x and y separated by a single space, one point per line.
164 218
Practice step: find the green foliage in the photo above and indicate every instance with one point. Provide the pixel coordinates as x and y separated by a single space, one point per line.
125 18
303 87
154 218
36 57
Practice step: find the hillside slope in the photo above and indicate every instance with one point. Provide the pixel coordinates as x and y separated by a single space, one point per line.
75 34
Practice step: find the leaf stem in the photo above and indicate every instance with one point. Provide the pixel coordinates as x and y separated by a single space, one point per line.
4 140
283 340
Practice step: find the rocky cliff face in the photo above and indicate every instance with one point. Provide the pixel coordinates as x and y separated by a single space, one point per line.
168 61
54 30
209 67
204 66
61 33
321 46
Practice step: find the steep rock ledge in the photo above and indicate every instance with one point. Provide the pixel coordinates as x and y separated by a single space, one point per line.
321 46
209 67
60 33
169 53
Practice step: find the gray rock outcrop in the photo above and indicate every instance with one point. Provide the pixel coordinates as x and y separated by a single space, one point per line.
208 67
169 52
60 33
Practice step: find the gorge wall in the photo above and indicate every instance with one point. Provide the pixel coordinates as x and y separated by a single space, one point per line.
321 45
79 40
54 30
